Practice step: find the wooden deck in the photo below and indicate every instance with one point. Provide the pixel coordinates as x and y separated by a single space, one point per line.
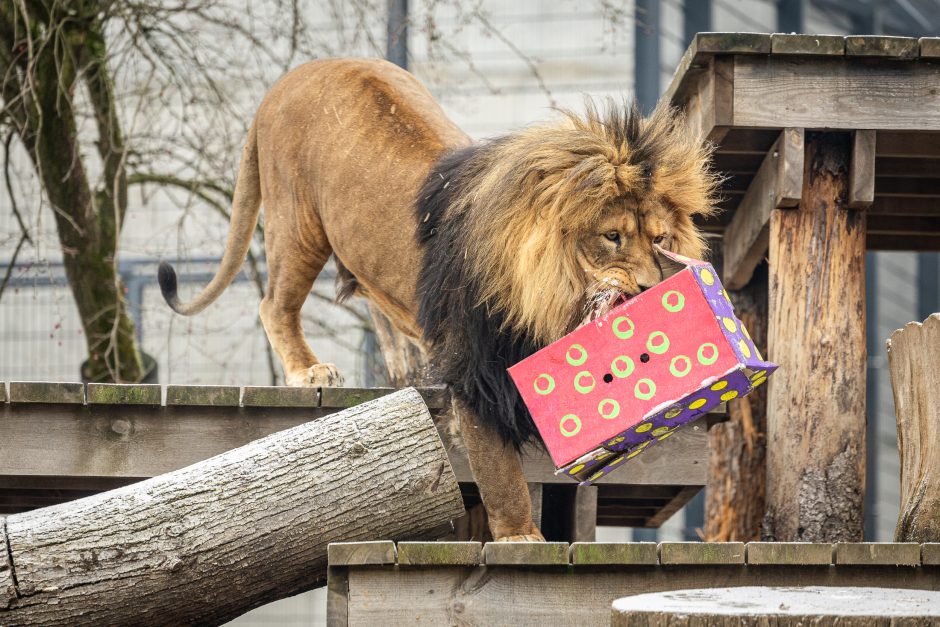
62 441
560 584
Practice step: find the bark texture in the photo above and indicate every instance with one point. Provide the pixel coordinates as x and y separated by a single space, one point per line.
205 544
816 413
913 355
734 500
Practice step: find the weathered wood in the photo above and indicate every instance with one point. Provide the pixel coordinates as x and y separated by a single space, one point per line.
525 553
881 46
823 45
405 361
203 395
370 552
610 553
877 553
122 394
525 596
816 408
780 607
280 396
732 43
708 109
788 554
737 463
930 554
440 553
44 392
3 392
929 47
170 551
826 92
678 502
584 514
913 358
895 206
862 170
337 596
7 586
777 183
701 553
435 397
915 377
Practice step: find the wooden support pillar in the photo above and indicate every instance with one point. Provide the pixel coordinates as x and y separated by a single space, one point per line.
913 355
816 412
734 500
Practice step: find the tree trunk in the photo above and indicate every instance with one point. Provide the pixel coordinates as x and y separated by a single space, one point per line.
816 407
913 355
206 543
406 362
734 498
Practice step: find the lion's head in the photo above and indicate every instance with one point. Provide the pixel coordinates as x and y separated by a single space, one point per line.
534 232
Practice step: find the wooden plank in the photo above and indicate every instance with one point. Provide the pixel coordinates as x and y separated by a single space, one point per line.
46 392
203 395
732 43
584 514
930 554
835 92
337 596
788 554
904 225
777 183
701 553
862 170
929 47
908 144
535 497
440 553
903 242
708 110
897 206
123 394
434 397
698 56
908 188
881 46
280 396
3 392
823 45
678 502
377 552
611 553
905 167
877 553
525 553
525 597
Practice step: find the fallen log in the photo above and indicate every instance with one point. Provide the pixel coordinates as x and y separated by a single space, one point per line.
211 541
913 358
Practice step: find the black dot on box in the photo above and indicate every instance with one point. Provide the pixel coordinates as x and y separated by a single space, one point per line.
644 357
608 378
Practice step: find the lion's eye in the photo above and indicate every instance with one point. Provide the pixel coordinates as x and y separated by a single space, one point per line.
660 239
613 236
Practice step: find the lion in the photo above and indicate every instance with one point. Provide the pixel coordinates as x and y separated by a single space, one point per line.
483 252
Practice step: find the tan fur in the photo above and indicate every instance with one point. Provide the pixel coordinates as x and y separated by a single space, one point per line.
337 153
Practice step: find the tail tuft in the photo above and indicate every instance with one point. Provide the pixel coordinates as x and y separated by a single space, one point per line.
166 277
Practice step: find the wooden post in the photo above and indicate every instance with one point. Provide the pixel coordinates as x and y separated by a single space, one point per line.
913 355
206 543
734 500
406 363
816 413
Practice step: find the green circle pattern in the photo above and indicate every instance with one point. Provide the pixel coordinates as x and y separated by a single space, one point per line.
707 361
584 389
650 386
676 372
680 302
573 430
576 361
662 347
611 413
620 333
624 371
550 385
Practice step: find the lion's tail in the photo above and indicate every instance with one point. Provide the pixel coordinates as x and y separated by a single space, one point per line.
245 206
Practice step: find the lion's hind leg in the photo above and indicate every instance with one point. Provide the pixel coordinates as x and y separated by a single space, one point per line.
292 269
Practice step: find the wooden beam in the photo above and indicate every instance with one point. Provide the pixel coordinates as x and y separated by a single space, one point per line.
822 92
897 206
822 45
777 183
584 514
816 406
881 46
708 110
862 170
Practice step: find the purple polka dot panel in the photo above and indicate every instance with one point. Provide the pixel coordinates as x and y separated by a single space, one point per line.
619 385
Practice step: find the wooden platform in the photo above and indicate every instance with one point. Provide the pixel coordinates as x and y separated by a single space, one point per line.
559 584
740 90
61 441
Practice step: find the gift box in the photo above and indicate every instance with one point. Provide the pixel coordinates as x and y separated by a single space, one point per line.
616 386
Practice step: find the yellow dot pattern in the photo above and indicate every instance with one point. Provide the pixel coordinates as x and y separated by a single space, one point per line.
744 348
672 413
707 277
661 430
730 325
720 385
699 402
663 437
759 382
643 428
727 396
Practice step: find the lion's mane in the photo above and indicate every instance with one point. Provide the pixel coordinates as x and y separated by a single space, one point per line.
498 221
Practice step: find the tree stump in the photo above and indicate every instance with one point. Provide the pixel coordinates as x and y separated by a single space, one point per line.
914 357
211 541
816 404
780 607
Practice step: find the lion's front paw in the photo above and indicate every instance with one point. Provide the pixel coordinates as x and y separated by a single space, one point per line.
316 376
528 537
